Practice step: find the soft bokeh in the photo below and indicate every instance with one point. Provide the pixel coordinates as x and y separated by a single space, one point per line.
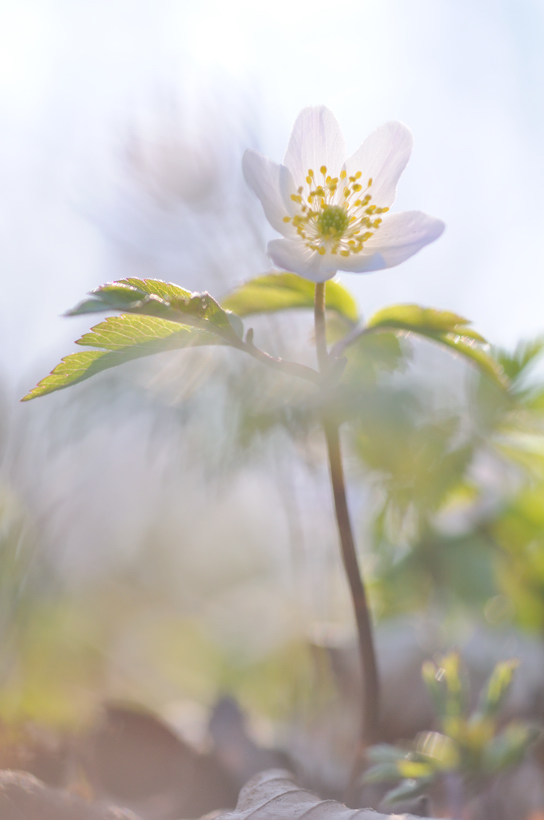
167 529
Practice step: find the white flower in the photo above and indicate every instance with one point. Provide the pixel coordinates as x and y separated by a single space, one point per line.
333 212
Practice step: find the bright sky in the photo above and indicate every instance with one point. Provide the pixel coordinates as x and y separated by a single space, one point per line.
467 76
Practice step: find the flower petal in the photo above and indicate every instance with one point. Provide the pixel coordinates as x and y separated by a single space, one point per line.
382 157
316 140
399 237
266 179
293 255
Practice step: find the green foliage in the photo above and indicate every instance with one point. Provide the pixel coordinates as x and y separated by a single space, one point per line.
517 529
443 327
517 364
122 339
421 462
423 320
493 695
156 317
471 746
151 297
371 356
285 291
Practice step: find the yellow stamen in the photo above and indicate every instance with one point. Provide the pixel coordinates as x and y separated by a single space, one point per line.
330 218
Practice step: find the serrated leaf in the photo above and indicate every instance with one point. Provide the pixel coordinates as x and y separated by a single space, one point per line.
118 332
123 338
151 297
273 795
164 290
285 291
444 327
411 317
470 350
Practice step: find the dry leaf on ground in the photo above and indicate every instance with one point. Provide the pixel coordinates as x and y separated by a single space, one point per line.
23 797
273 795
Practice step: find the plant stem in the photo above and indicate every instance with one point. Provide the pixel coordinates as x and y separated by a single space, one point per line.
369 732
292 368
455 794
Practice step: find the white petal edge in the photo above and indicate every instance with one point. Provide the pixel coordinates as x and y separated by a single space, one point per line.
382 157
399 237
266 179
316 140
292 255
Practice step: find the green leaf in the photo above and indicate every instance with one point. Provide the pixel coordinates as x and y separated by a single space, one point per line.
285 291
499 684
415 769
381 772
432 679
451 664
423 320
441 750
151 297
122 338
509 747
446 686
525 354
385 753
408 788
164 290
118 332
470 350
444 327
373 354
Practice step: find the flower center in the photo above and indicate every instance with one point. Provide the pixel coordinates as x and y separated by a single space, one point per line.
335 215
332 221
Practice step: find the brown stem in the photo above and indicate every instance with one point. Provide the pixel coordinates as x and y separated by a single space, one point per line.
369 732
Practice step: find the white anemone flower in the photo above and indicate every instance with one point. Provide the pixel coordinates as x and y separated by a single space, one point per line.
333 212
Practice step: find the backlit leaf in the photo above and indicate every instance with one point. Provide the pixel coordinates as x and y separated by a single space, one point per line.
415 317
285 291
444 327
516 363
122 339
151 297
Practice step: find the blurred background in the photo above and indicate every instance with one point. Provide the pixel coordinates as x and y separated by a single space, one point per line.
166 529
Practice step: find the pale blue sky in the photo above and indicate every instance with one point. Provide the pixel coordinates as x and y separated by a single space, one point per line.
467 77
